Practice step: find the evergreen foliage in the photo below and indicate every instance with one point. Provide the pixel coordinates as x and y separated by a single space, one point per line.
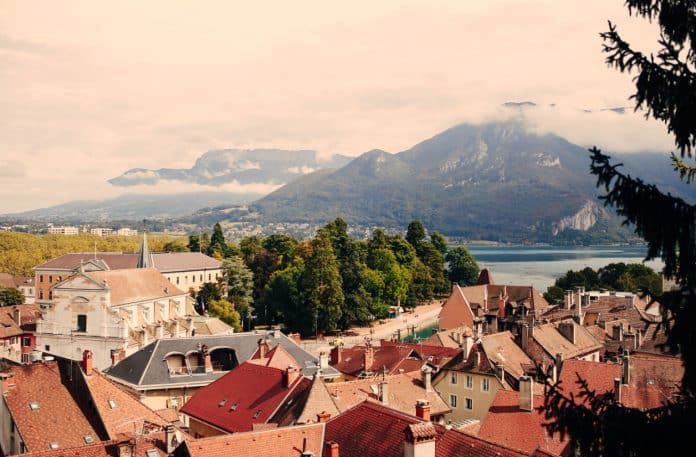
462 267
10 296
666 91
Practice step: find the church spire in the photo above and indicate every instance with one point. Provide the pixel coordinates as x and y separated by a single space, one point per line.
144 256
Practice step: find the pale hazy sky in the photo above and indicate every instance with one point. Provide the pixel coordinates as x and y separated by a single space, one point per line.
90 89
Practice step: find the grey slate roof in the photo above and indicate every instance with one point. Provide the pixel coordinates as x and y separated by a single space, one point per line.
165 262
147 369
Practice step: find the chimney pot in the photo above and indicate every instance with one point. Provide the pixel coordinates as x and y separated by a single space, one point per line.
323 416
617 390
290 375
331 449
383 392
423 410
87 361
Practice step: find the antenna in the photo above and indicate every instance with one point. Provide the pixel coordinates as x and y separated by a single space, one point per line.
95 250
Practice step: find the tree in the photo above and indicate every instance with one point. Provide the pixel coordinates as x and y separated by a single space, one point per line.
666 91
240 281
173 246
283 246
461 266
322 285
208 292
415 233
439 241
217 248
225 311
10 296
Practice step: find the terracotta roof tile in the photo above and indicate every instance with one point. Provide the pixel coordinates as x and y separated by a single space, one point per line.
390 358
507 424
403 393
55 412
654 380
247 395
598 375
500 348
279 442
455 443
550 338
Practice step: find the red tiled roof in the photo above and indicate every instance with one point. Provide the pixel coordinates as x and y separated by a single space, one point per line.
131 285
403 392
654 379
390 357
56 412
455 443
369 430
108 448
278 357
500 348
436 355
166 262
456 312
510 426
599 377
279 442
247 395
119 410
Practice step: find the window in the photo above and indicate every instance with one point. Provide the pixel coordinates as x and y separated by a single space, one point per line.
193 278
485 385
209 276
50 278
469 382
40 294
177 280
81 322
453 401
60 278
113 404
34 405
40 278
50 295
26 341
89 439
201 278
469 403
453 377
47 347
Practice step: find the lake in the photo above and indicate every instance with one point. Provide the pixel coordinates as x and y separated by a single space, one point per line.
539 266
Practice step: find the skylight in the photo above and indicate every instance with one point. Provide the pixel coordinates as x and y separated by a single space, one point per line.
53 445
257 414
34 405
234 407
89 439
222 403
113 404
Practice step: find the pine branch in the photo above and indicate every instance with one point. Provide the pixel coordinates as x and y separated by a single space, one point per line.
686 172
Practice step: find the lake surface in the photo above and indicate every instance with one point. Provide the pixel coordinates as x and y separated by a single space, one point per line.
539 266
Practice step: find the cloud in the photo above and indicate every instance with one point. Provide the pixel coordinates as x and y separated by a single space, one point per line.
303 170
7 43
12 169
168 186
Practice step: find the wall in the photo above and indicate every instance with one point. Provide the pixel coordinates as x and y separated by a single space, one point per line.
201 430
184 280
482 400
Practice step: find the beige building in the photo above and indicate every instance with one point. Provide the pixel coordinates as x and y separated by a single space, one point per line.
112 313
469 382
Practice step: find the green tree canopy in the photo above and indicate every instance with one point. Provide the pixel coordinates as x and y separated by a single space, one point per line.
10 296
223 310
461 266
240 281
322 285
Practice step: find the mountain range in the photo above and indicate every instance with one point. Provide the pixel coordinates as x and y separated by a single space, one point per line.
494 181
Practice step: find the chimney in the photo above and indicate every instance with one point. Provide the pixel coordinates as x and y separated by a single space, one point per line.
383 392
617 332
126 448
554 373
336 354
290 375
526 395
467 344
568 299
567 329
559 360
501 306
323 360
500 371
17 315
617 390
170 438
631 340
420 440
263 348
331 449
427 378
87 361
626 371
423 410
116 356
478 327
323 417
207 362
368 357
525 335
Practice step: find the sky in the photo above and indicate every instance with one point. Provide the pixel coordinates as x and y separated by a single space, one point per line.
91 89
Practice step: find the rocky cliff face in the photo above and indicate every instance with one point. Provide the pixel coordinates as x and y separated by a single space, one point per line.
583 220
